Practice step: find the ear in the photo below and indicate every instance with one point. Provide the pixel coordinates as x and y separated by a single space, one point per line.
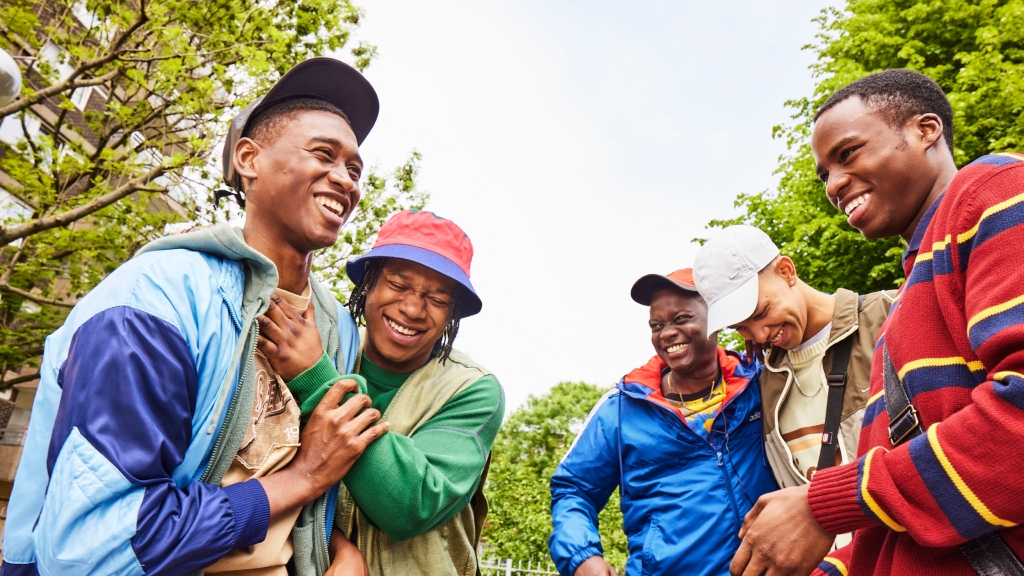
928 129
244 158
786 269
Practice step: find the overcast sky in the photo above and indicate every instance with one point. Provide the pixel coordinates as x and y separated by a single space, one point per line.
581 144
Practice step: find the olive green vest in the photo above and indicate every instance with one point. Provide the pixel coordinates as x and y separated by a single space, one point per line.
449 549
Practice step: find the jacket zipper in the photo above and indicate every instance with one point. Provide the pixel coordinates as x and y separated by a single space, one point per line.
218 444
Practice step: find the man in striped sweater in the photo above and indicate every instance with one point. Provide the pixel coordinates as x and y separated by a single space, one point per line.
955 337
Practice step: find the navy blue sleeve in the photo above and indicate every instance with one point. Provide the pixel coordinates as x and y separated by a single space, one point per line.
581 486
129 388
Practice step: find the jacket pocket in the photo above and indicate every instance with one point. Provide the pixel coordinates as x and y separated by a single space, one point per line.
652 552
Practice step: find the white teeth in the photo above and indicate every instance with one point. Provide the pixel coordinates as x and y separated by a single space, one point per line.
402 329
330 204
849 208
676 348
778 337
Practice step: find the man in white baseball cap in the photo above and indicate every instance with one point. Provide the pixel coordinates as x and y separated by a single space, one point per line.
815 384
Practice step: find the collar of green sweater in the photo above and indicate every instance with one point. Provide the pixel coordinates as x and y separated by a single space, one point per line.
380 377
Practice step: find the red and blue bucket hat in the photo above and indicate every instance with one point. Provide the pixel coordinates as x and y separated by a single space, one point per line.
429 240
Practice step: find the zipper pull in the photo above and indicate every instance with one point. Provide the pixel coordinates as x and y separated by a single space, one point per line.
719 458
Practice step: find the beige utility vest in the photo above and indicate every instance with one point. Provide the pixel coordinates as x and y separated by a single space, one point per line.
449 549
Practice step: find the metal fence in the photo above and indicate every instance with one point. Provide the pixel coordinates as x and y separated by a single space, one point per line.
508 567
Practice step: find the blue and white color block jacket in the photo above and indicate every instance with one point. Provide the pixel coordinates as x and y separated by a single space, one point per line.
683 496
135 401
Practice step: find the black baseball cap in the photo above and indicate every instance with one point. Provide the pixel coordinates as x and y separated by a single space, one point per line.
643 289
324 78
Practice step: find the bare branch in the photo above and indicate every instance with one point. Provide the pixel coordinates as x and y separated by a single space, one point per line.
72 82
5 384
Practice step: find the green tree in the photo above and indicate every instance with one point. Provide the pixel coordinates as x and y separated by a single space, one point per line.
525 455
974 49
123 103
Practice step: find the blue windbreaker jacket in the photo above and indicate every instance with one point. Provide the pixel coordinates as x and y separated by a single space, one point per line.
683 497
134 389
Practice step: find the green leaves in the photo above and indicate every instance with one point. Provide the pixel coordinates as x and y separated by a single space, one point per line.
123 104
973 49
527 451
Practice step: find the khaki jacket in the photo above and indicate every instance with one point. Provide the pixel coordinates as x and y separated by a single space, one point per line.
777 380
449 549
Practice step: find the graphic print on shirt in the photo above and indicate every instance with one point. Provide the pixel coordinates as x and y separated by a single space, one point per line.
275 418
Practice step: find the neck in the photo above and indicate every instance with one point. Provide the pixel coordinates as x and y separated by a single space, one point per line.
292 267
820 309
693 382
945 171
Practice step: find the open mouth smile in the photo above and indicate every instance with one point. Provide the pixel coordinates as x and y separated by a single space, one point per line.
851 206
677 348
331 205
777 339
403 330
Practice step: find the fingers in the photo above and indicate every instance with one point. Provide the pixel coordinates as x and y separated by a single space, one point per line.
741 559
752 515
333 397
354 405
266 346
374 431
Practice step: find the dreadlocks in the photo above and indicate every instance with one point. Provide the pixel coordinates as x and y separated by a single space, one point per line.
357 308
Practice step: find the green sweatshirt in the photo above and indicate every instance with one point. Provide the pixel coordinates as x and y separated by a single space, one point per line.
409 485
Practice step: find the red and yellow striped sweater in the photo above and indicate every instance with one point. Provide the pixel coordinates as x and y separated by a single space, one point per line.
956 338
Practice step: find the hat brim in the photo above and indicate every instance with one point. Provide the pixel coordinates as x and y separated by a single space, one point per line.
469 303
324 78
734 307
643 289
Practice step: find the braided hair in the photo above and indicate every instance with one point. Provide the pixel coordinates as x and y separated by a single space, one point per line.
357 308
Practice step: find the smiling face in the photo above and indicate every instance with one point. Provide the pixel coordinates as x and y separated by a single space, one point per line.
406 313
303 183
878 175
679 325
781 315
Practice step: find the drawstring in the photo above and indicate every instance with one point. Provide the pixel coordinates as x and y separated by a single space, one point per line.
238 196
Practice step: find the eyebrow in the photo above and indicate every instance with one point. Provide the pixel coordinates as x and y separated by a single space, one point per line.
336 143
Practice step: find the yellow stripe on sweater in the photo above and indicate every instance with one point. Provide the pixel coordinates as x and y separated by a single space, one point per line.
964 236
870 501
965 490
973 365
838 564
993 310
877 395
1014 155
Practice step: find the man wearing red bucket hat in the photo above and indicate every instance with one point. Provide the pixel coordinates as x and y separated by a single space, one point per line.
413 502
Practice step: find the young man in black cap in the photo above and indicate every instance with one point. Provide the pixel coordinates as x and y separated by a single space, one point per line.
166 433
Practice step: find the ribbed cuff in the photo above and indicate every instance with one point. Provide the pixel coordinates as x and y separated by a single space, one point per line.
313 379
583 555
250 509
832 497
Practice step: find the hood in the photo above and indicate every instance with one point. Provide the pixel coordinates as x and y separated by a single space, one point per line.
227 242
645 382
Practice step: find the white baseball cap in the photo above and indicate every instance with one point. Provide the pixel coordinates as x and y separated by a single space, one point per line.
725 271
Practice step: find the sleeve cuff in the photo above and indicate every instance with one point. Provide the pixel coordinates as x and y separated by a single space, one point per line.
582 556
250 510
833 500
313 379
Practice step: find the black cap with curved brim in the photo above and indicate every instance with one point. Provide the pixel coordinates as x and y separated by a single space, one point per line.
644 289
324 78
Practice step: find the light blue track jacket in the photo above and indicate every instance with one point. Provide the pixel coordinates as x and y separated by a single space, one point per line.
683 496
135 389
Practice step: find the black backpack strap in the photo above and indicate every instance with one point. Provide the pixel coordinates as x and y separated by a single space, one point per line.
988 555
836 381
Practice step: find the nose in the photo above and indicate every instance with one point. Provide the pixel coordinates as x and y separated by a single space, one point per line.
413 305
340 176
837 181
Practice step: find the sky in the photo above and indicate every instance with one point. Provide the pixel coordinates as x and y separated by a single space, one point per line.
581 145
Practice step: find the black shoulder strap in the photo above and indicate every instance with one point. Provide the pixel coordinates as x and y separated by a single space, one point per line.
836 381
989 555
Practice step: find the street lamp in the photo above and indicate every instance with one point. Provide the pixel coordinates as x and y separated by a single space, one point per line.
10 79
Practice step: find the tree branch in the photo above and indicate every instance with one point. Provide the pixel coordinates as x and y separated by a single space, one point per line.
46 223
35 298
5 384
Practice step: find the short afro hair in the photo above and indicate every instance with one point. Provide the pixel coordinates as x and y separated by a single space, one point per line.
268 123
898 95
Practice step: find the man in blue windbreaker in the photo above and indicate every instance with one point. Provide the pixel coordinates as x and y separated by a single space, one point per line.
680 437
166 433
